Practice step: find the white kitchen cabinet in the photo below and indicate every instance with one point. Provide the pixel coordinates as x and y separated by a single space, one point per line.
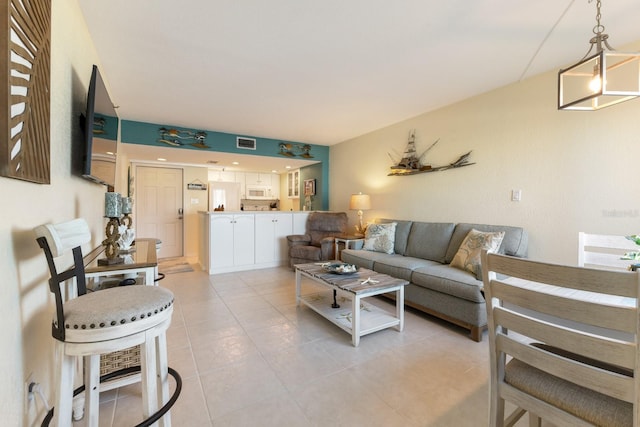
231 242
246 241
271 238
293 184
223 176
258 179
275 185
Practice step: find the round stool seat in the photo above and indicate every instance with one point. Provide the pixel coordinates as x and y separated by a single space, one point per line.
115 312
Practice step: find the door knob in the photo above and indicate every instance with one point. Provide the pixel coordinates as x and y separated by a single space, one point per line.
180 212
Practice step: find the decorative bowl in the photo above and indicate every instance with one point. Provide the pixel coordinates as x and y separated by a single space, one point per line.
341 268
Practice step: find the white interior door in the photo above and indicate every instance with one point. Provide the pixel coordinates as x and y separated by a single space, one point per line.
158 207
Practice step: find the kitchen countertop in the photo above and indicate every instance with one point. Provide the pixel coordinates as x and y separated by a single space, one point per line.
251 212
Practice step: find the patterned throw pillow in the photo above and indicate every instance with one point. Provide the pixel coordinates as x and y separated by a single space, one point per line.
468 255
380 237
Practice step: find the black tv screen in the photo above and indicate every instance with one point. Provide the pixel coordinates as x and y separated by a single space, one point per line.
100 134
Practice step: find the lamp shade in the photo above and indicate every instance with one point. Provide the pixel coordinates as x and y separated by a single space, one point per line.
361 202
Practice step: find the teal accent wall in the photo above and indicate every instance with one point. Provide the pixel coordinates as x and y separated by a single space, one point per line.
317 171
133 132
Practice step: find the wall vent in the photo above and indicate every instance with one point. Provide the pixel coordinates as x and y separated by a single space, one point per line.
245 143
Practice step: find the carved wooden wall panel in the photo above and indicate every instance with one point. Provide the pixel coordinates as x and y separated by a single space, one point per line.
25 51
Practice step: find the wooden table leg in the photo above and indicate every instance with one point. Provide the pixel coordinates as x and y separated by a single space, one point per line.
298 286
400 307
355 320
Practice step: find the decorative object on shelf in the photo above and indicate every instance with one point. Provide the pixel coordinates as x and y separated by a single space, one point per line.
292 150
411 164
25 75
127 204
177 137
360 202
602 79
310 187
127 236
113 211
308 203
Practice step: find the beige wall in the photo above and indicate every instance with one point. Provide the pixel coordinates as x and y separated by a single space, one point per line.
25 300
578 171
192 231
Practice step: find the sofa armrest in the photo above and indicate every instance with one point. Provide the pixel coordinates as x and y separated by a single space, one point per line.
298 239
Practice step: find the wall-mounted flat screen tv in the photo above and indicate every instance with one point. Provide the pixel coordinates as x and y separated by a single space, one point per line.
100 134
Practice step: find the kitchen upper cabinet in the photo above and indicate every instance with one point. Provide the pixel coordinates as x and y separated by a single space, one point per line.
258 179
275 186
293 184
223 176
271 237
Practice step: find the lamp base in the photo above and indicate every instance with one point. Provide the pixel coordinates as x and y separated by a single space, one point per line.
110 261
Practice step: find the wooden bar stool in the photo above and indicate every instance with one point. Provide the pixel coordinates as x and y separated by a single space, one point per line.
89 324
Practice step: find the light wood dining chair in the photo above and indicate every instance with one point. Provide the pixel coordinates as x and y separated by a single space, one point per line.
88 324
604 251
563 343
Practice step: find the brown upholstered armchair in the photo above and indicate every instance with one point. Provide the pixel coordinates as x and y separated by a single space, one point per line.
318 243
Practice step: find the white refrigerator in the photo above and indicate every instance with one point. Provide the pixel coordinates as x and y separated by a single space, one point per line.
225 194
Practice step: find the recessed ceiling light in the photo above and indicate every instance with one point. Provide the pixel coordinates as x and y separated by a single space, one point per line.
110 153
235 163
161 159
274 171
287 167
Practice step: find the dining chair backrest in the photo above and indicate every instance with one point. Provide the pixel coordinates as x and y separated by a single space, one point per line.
57 240
562 341
604 251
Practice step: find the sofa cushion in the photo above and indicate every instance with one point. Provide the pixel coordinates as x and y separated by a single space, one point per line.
361 258
449 280
380 237
514 243
429 240
402 233
400 267
468 255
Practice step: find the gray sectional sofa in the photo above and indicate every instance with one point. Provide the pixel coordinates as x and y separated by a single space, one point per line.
423 251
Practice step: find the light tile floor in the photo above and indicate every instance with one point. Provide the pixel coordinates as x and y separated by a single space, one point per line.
249 357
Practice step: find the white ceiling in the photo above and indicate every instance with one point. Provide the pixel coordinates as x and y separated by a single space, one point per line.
324 71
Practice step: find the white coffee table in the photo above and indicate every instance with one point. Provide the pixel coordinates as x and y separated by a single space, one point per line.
354 316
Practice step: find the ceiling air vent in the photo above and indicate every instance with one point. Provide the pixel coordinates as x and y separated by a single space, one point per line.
245 143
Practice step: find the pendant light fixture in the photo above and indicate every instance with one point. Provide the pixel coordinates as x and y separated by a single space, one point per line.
599 80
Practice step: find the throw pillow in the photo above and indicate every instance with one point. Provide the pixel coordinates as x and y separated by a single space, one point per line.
380 237
468 255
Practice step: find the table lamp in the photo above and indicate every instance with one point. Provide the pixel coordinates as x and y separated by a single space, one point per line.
361 202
